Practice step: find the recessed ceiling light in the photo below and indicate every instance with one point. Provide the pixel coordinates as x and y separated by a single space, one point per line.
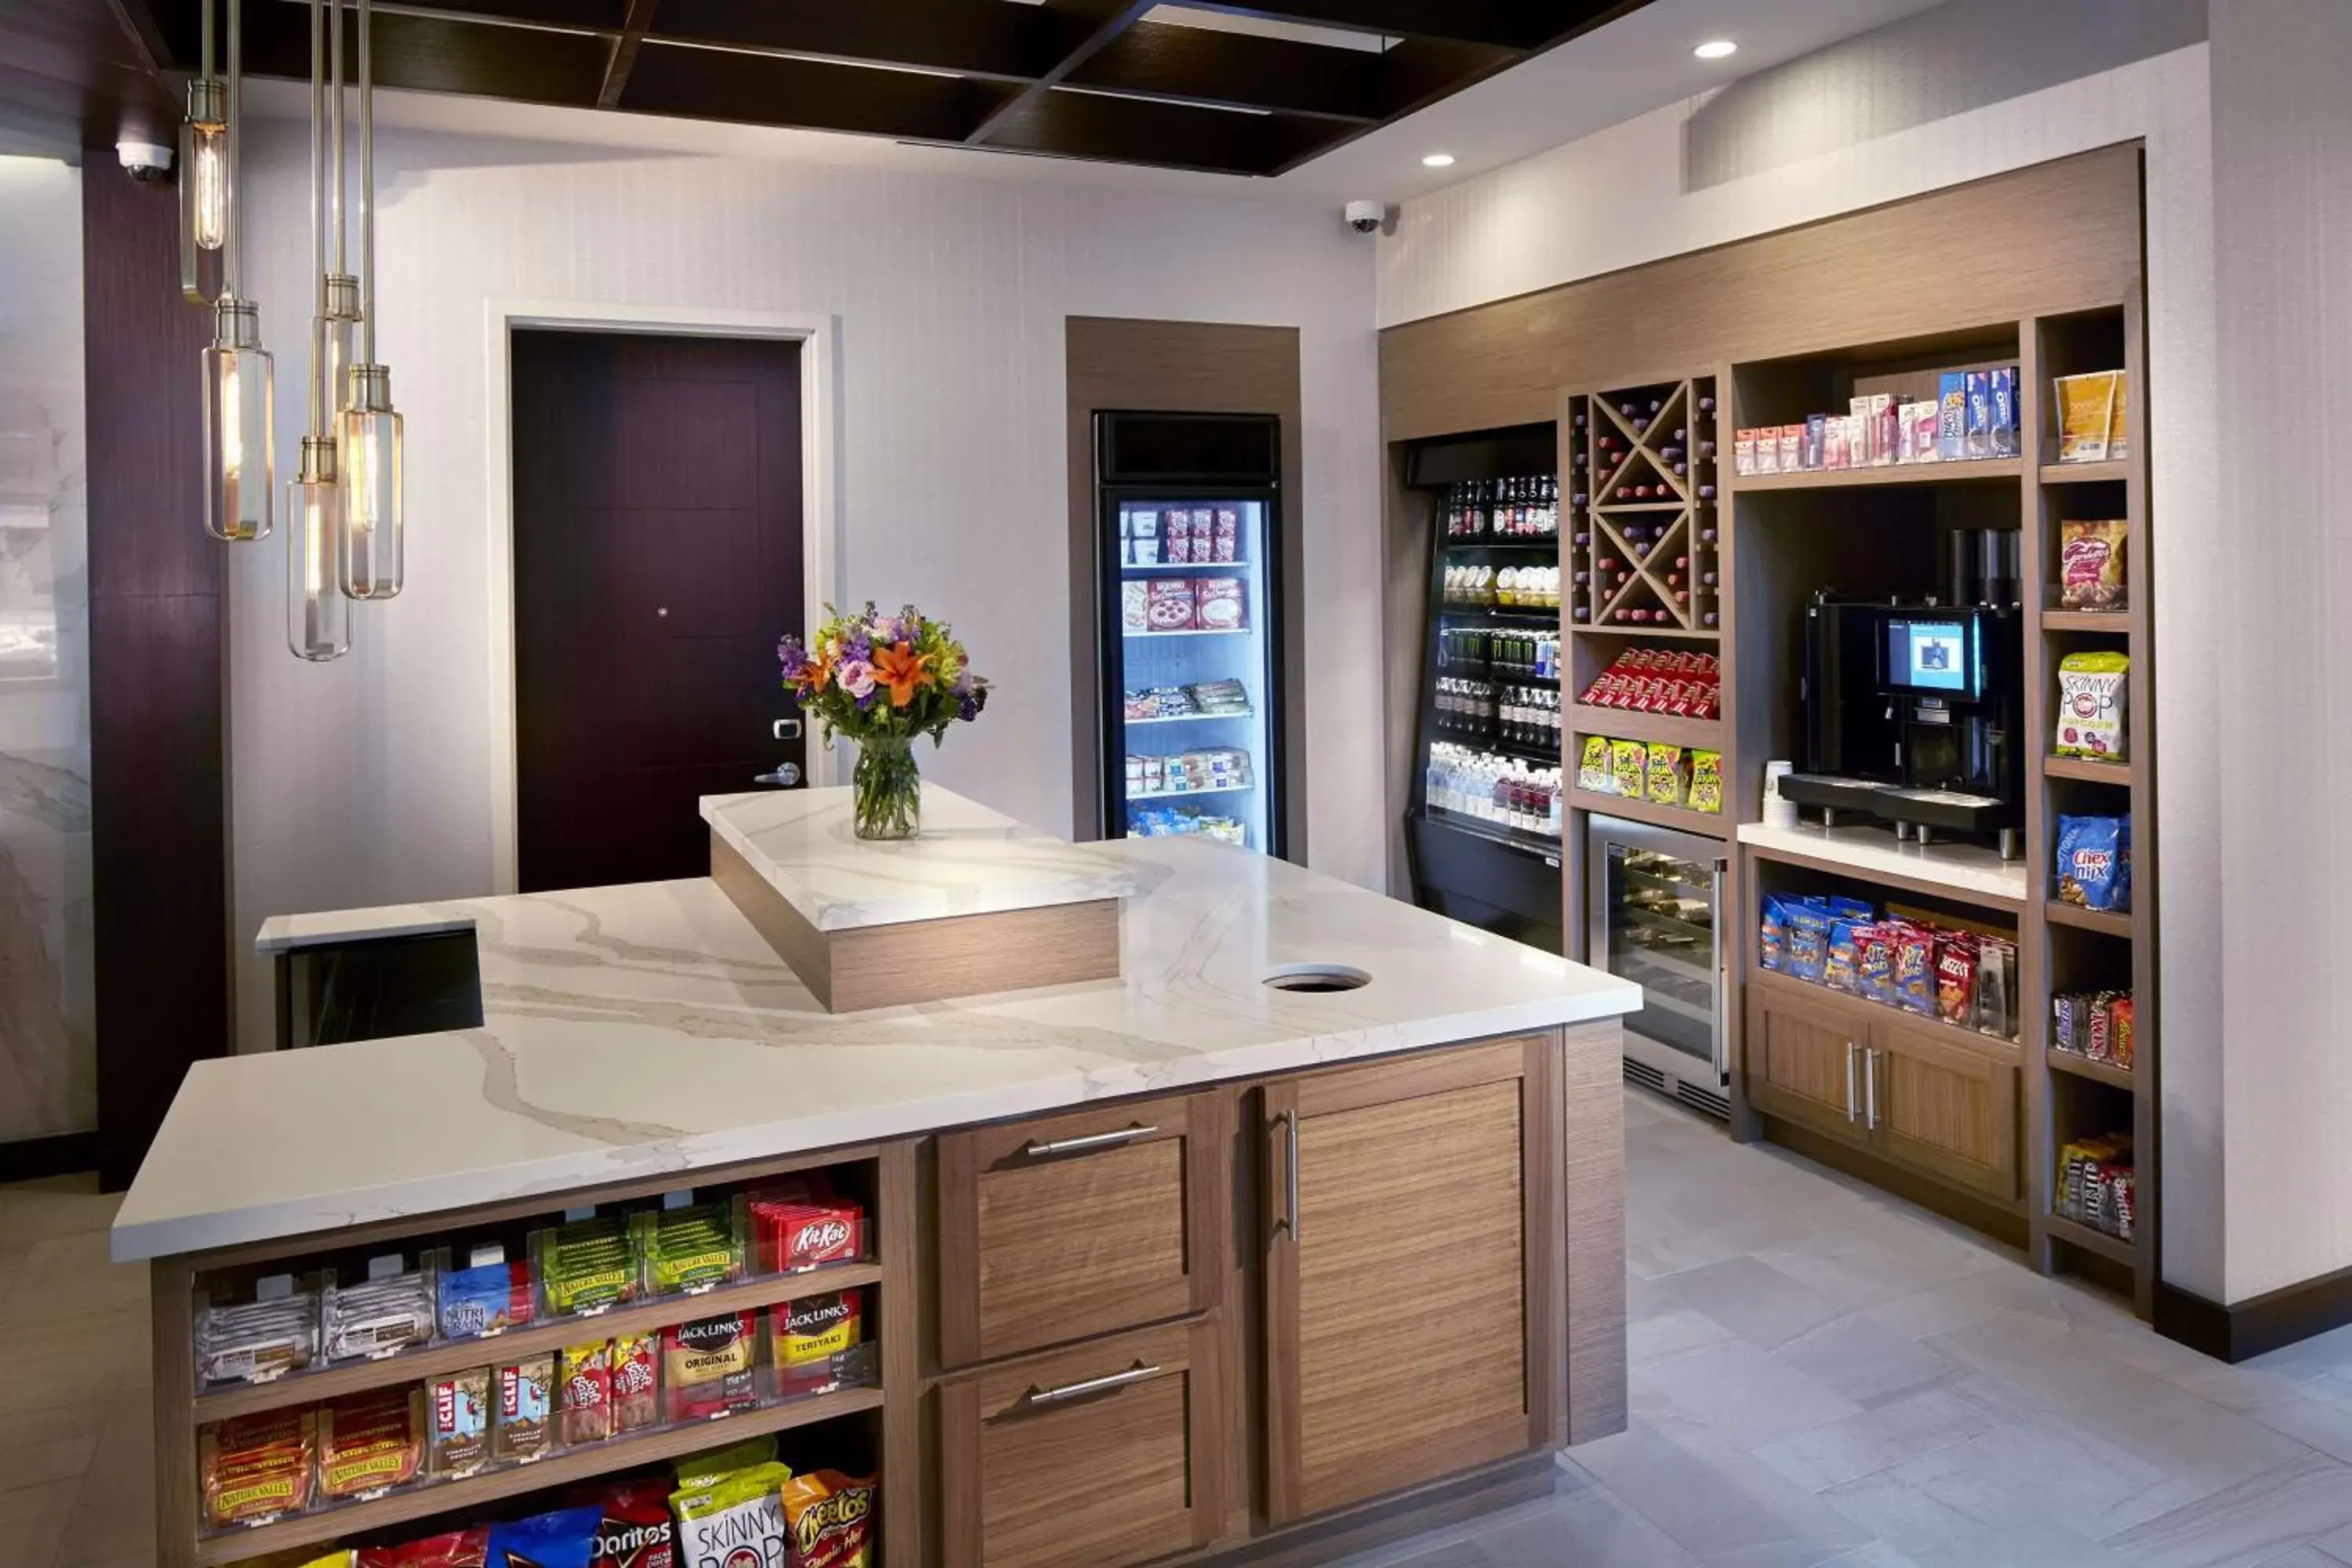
1438 160
1715 49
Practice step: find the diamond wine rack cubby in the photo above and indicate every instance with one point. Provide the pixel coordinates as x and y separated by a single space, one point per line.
1644 526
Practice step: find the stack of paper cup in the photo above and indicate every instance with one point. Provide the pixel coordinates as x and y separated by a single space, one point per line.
1778 811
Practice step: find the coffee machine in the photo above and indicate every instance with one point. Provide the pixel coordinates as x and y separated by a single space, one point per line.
1914 709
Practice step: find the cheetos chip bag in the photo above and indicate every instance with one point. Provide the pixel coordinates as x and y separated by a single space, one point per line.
829 1521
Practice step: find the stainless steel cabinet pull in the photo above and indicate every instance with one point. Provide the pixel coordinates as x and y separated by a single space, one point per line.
1850 1095
1093 1385
1870 1086
1289 1120
1091 1141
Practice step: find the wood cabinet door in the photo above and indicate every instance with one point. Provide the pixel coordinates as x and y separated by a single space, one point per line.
1408 1300
1065 1226
1103 1454
1803 1061
1944 1106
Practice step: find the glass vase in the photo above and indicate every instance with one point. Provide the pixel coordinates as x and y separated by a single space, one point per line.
887 790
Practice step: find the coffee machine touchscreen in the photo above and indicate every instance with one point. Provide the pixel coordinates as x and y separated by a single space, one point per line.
1928 656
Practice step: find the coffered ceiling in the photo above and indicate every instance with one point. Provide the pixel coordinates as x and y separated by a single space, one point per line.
1256 88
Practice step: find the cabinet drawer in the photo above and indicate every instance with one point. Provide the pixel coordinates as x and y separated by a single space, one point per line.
1804 1058
1060 1228
1102 1454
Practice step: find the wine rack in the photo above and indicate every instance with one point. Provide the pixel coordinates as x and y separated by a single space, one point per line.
1644 524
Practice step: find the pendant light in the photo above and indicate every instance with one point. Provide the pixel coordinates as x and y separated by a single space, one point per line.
203 171
318 616
240 441
368 429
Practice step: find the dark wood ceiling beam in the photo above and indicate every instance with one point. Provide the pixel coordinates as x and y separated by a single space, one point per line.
623 57
996 40
438 54
772 89
1077 124
1094 24
1195 65
139 24
1524 25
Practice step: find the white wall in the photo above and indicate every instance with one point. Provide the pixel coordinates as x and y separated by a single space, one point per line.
1625 197
368 780
2283 202
48 1067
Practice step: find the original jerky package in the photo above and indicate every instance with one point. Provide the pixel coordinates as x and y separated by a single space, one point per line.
710 1367
829 1521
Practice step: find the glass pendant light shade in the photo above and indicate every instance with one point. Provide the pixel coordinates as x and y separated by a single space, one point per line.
338 344
367 463
204 180
240 441
318 616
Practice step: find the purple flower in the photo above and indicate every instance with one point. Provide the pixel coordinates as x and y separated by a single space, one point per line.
891 630
794 658
857 650
967 710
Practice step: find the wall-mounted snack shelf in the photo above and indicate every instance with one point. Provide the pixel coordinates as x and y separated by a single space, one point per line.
2114 1248
2084 770
1864 1012
572 1465
517 1344
1624 724
1964 872
2100 921
1681 819
2106 471
1976 471
2096 1071
2117 622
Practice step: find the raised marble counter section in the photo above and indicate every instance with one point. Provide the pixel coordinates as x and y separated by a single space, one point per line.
969 860
650 1029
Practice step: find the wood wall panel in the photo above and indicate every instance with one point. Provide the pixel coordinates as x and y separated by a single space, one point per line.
2044 238
158 672
1183 368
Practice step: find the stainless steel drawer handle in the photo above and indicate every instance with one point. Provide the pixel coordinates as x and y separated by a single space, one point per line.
1091 1141
1851 1098
1093 1385
1870 1085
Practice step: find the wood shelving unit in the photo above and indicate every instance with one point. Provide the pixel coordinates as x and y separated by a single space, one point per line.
1681 819
1641 512
1974 471
2082 770
2104 922
2097 1072
1583 718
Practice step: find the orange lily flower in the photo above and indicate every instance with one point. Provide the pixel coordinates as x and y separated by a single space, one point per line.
818 675
903 671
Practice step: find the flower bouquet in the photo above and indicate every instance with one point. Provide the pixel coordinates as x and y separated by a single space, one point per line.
882 680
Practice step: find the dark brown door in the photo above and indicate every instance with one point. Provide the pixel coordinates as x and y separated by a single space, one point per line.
656 560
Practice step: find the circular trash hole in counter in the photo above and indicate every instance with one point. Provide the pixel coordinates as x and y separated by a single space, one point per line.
1317 978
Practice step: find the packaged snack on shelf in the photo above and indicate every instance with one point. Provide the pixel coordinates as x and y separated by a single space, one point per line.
1914 968
370 1443
1666 774
2004 412
1996 1012
1809 939
257 1341
1772 935
636 1364
389 1310
1874 962
1979 414
1593 771
1886 435
2095 862
1228 535
585 1396
1171 603
806 1335
1707 782
829 1521
586 1267
2091 696
738 1517
1218 604
1743 453
691 1249
1956 978
1629 762
1792 441
1135 606
564 1539
634 1528
1835 452
487 1296
253 1468
2119 1029
526 1400
2090 564
697 1470
458 1422
1815 443
1840 967
2068 1030
710 1366
2091 417
1176 543
1920 420
1952 417
468 1548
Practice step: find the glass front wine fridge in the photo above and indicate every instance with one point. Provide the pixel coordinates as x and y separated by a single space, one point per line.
1653 916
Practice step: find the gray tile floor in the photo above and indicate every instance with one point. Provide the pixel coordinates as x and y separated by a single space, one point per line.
1821 1375
1824 1374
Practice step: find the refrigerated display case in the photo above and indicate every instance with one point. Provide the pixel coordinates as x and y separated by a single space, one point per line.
1653 916
1189 659
1484 830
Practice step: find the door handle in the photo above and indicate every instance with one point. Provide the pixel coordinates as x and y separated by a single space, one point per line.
786 775
1091 1141
1093 1385
1870 1087
1289 1220
1850 1095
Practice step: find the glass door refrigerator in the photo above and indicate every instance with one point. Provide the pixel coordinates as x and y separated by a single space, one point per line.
1189 652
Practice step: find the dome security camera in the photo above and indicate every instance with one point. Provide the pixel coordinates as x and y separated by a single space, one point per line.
1366 218
148 162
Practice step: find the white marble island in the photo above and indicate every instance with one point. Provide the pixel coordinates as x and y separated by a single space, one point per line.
641 1037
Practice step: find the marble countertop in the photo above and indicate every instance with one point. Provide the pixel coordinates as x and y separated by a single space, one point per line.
642 1030
969 860
1966 869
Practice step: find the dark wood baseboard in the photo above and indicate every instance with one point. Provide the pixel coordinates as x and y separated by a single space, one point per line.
58 1154
2257 1324
1377 1524
2005 1226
